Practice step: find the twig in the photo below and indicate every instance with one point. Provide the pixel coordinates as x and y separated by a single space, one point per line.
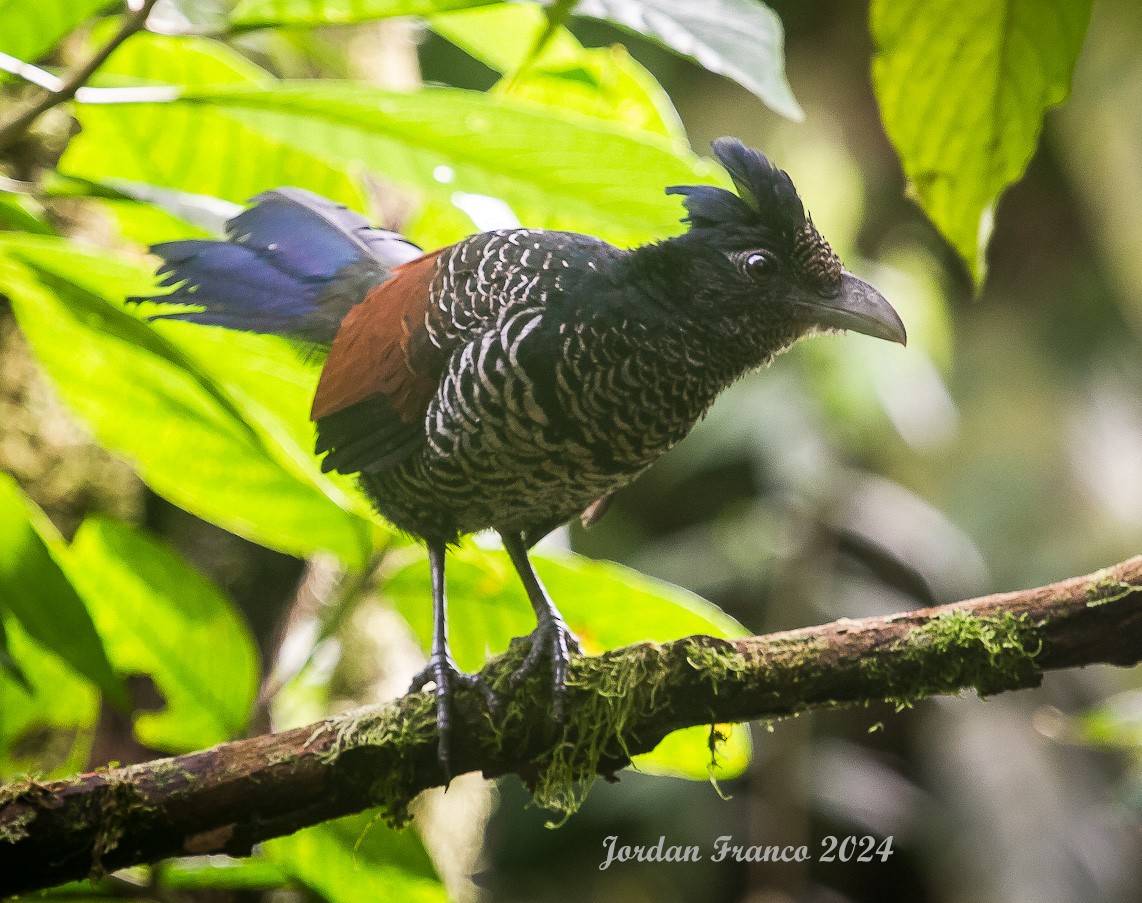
225 799
13 130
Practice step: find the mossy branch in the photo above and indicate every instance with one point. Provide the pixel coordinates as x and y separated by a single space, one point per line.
228 798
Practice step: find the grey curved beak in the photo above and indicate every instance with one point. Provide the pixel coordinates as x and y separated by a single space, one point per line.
860 308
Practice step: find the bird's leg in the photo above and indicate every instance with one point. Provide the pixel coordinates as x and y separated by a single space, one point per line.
551 635
441 670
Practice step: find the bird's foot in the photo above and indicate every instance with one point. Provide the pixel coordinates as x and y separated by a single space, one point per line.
443 672
553 639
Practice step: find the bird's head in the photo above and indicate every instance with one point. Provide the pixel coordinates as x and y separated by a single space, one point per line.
760 259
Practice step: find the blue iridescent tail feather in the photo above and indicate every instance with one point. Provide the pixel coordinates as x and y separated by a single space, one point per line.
293 264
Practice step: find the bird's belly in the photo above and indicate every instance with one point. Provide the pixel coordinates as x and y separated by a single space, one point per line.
484 481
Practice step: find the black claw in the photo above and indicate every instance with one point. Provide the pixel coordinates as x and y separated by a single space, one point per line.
491 698
442 671
551 637
555 640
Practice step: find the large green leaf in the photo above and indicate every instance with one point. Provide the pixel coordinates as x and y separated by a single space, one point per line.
35 590
160 617
33 27
553 167
963 88
741 39
272 381
48 730
181 60
359 858
261 13
556 172
605 83
192 440
607 605
201 149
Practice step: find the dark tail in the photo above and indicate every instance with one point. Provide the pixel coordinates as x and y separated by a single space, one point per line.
293 264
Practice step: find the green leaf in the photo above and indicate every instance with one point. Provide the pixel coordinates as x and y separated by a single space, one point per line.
503 36
1114 724
176 60
8 664
686 753
174 211
159 616
164 144
21 213
605 604
581 175
963 90
554 168
741 39
39 595
604 83
263 13
272 381
223 455
139 222
216 872
48 730
359 858
33 27
221 873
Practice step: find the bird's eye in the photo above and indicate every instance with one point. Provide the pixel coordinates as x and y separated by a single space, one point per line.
760 266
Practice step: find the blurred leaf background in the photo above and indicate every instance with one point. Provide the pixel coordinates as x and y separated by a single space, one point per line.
176 571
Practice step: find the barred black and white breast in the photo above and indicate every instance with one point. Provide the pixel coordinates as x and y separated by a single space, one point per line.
557 384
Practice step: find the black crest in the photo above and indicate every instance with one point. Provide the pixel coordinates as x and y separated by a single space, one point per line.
766 198
766 202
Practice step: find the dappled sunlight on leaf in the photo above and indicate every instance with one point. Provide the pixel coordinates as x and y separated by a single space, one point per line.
190 439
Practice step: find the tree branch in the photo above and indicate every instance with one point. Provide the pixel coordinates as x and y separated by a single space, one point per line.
14 129
227 798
